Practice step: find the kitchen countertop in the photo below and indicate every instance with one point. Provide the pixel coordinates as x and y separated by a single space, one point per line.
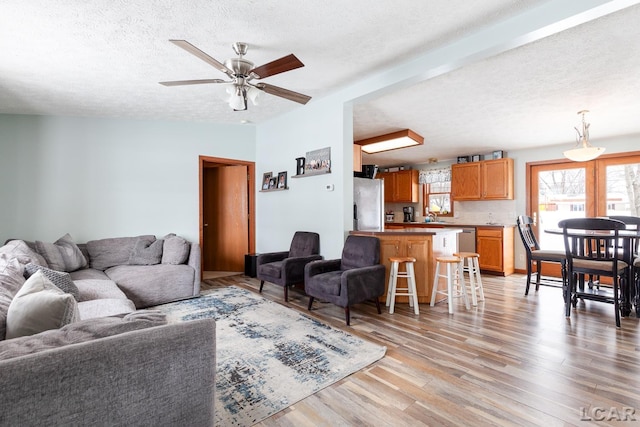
424 231
445 224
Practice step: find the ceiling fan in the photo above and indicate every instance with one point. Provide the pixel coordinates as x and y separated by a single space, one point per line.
241 73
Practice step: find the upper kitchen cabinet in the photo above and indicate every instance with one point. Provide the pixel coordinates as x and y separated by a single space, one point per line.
357 158
484 180
400 186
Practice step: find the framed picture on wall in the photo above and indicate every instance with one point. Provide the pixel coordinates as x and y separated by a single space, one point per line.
282 179
273 181
265 180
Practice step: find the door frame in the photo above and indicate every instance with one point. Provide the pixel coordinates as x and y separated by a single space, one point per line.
203 161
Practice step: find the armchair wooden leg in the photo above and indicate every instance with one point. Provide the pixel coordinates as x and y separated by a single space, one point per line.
347 316
261 285
378 305
310 303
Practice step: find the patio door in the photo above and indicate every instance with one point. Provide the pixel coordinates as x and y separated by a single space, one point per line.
565 189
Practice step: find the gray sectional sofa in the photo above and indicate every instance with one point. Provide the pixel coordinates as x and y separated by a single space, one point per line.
77 346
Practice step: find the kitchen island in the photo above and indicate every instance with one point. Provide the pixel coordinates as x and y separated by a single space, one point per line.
424 244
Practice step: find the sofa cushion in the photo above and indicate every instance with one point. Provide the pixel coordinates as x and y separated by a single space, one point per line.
148 285
105 253
104 307
24 253
39 306
58 278
11 280
95 289
62 255
80 332
175 250
145 252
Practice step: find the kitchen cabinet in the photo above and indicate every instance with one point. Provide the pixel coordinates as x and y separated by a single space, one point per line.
423 246
495 247
400 186
357 158
484 180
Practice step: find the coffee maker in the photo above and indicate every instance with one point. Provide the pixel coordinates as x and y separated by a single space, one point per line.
408 213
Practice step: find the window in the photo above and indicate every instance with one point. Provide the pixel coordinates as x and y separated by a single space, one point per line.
436 192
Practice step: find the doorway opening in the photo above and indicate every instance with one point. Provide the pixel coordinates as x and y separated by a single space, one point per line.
227 215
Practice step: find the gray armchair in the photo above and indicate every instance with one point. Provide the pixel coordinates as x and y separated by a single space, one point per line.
356 277
286 268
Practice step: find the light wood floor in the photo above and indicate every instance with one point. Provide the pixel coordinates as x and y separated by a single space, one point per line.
512 361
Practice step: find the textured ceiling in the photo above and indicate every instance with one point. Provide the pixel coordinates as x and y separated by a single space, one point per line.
104 58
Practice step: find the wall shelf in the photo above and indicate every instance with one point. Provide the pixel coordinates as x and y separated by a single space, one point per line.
274 189
311 174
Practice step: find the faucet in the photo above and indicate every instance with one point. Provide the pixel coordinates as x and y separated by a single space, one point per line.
433 217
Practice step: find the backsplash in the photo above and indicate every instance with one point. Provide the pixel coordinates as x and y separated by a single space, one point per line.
475 212
482 212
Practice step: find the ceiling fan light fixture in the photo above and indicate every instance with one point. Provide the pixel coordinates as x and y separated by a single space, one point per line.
238 100
583 151
254 94
391 141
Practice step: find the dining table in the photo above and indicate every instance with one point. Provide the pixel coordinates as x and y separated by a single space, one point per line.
628 243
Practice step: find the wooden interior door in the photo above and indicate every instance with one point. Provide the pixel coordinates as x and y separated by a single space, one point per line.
225 217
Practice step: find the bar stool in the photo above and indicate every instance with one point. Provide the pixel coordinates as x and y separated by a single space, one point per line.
473 268
408 274
453 280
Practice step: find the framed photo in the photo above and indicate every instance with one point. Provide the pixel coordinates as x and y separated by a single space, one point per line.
265 180
475 158
318 161
282 179
463 159
498 154
273 181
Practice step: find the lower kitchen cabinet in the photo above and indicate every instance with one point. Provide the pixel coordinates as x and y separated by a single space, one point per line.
423 248
495 247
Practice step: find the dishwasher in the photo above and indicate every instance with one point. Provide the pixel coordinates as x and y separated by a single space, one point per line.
467 240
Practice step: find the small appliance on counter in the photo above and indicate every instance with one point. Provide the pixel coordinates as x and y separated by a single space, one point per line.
408 214
389 216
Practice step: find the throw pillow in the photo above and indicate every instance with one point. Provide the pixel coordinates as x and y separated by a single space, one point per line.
146 253
62 255
39 306
11 280
175 250
21 250
58 278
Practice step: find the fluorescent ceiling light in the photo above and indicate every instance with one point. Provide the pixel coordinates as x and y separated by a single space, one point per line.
391 141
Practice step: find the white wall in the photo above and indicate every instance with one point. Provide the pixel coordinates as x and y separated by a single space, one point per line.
307 205
97 178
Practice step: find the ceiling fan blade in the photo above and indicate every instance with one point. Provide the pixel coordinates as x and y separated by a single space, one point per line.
284 93
191 82
200 54
286 63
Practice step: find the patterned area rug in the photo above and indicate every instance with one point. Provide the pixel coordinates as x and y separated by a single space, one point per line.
269 356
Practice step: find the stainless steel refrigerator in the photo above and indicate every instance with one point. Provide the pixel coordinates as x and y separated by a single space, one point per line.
368 204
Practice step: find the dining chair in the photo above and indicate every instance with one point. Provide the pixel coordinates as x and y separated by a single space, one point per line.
633 223
535 254
587 244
